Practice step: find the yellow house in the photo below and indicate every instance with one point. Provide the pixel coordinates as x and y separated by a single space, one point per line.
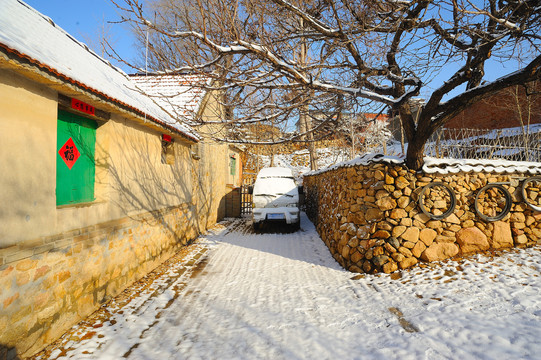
186 97
98 183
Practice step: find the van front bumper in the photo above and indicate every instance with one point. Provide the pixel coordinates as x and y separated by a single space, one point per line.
288 214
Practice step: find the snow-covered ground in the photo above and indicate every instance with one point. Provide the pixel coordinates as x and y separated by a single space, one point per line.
240 295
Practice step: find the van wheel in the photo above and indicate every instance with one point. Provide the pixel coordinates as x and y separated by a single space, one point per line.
256 226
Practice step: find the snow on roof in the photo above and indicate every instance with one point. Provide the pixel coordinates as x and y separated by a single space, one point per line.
179 95
31 35
444 166
274 172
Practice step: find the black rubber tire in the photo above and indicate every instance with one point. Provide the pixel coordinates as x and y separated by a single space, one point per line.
451 195
506 209
523 192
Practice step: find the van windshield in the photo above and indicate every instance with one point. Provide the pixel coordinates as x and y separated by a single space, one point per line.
275 186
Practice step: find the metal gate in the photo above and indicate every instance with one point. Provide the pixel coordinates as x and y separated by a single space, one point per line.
246 197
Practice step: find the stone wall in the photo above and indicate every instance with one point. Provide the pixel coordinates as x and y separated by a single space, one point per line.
48 284
369 218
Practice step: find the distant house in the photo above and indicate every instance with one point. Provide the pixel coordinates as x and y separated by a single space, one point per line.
98 184
515 106
373 116
512 107
186 97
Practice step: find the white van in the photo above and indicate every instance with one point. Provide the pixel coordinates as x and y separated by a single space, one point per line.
275 198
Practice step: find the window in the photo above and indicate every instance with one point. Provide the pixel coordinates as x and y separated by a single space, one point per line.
75 162
232 165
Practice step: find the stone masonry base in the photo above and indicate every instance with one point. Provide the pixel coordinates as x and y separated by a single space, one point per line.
49 284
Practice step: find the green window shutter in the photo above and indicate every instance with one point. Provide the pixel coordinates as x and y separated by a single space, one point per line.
75 159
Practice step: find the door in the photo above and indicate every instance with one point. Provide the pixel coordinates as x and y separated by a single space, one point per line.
75 162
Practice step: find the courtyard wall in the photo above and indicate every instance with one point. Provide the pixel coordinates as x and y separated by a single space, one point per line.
369 217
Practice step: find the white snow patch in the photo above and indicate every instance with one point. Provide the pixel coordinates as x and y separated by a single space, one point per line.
275 172
361 160
325 158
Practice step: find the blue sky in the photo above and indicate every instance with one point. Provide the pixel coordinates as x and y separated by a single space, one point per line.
83 19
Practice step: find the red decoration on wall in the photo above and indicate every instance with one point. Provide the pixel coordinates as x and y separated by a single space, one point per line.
81 106
69 153
166 137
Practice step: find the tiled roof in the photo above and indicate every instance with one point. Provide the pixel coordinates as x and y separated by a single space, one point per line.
179 95
444 166
30 35
361 160
371 116
453 166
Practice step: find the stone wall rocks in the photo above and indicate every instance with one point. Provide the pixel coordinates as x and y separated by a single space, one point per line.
369 217
472 240
42 294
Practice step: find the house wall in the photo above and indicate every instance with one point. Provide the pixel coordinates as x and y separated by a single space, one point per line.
213 111
510 107
60 263
27 149
130 177
211 179
234 176
234 184
130 174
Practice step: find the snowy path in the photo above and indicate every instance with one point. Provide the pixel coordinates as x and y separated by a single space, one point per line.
241 295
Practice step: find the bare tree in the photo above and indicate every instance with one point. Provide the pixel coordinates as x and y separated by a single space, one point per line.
101 38
382 51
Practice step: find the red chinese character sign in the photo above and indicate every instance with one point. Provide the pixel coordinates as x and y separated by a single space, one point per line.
82 106
69 153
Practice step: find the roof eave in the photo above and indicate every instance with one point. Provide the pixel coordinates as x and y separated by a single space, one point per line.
10 52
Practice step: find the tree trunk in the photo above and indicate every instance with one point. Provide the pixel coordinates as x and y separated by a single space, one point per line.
313 156
415 154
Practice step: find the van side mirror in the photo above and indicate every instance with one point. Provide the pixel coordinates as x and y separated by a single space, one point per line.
301 190
251 189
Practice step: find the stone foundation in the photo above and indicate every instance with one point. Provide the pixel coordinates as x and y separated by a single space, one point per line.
49 284
369 217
